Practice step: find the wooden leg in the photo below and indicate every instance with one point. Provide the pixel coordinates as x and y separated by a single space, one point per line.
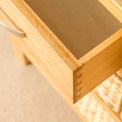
17 46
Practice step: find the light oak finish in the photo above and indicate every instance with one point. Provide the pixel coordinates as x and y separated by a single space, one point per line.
72 77
78 24
113 8
54 65
32 19
105 63
47 45
39 63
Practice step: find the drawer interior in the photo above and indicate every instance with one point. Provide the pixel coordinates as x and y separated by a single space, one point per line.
81 25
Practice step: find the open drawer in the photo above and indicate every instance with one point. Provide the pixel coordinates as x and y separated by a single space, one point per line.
80 42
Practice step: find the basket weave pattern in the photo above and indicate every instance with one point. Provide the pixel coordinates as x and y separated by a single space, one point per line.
111 93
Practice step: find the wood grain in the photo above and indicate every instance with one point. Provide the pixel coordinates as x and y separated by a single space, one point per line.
47 34
113 8
79 24
35 58
104 59
104 64
52 57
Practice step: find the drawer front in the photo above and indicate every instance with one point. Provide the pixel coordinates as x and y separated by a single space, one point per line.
37 49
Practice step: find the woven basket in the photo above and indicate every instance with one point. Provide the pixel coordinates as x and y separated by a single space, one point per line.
104 104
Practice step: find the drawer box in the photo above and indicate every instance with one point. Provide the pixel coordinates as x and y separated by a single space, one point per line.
75 44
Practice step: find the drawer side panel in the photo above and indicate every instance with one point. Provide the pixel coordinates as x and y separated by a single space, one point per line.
99 68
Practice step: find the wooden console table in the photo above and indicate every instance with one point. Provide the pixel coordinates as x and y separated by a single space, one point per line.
75 44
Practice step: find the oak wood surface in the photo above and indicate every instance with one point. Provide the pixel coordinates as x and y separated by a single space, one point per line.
54 66
80 25
104 64
59 74
44 31
36 59
38 41
113 8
